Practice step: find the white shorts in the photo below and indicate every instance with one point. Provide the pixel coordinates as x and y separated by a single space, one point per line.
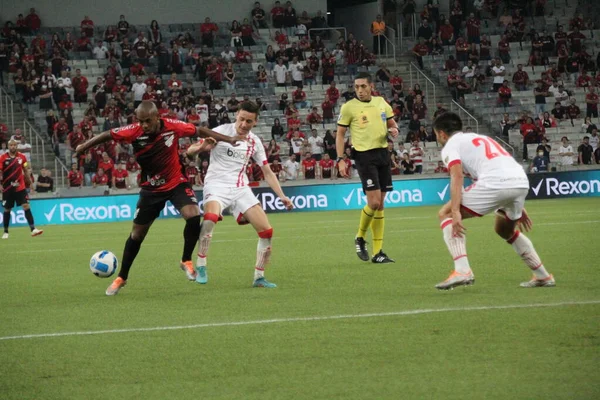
237 199
479 201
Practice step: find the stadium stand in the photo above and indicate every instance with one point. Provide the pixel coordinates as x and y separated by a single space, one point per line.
93 76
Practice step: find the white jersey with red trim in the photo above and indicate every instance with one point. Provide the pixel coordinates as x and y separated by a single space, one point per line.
228 163
484 160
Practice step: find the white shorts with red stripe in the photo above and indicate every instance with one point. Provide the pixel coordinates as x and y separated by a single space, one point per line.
479 201
237 199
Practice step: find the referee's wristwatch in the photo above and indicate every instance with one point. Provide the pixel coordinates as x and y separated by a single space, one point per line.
339 159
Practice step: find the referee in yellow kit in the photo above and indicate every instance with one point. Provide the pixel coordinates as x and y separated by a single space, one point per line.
369 119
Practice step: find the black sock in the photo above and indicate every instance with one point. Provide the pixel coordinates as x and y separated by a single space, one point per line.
191 234
6 220
132 248
29 217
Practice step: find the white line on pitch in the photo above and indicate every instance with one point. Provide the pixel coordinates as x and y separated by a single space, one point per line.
301 319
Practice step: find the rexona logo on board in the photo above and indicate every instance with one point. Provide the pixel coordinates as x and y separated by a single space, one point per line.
67 212
555 187
270 201
393 197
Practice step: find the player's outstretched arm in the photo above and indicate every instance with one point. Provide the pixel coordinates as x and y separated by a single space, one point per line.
95 141
200 147
273 182
207 133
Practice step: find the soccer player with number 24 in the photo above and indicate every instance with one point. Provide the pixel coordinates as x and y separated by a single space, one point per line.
501 186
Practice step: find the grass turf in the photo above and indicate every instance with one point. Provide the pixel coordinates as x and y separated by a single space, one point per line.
517 353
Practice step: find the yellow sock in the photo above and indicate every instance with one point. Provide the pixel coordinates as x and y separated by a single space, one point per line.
366 216
377 230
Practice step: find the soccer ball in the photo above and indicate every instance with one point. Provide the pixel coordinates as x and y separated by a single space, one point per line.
103 264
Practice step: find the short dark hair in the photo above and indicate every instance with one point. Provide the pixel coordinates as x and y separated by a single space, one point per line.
448 122
249 106
364 75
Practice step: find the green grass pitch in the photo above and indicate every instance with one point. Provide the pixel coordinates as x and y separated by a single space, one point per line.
479 348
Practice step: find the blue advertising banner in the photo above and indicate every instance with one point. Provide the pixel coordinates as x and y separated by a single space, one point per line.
323 197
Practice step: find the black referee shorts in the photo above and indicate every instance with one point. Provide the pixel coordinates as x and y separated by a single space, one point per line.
151 203
374 169
11 197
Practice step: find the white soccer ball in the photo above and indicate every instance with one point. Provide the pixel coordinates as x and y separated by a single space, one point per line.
103 264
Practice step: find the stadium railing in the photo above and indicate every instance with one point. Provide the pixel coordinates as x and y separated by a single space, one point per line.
7 108
464 114
430 87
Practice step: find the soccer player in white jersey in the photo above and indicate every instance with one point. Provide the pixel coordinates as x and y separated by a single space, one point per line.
500 185
226 186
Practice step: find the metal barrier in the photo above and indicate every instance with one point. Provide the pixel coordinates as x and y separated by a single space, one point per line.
7 108
506 145
429 85
464 114
387 53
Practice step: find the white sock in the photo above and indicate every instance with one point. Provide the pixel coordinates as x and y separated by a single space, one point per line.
263 255
457 246
204 242
525 249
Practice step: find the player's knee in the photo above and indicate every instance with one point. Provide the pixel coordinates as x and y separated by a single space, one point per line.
443 214
504 230
376 204
266 234
139 232
214 218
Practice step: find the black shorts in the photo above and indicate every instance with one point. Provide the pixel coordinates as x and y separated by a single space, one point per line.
374 169
11 197
152 203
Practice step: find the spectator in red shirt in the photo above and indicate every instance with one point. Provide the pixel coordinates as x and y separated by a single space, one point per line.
446 33
327 107
326 168
504 95
214 73
87 26
33 21
584 80
473 29
420 51
531 134
573 111
591 100
440 168
277 15
75 177
309 165
576 38
208 30
242 56
74 139
520 78
504 50
299 98
80 86
120 177
107 165
332 93
100 179
314 117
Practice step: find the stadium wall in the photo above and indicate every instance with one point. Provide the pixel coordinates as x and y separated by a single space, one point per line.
357 19
320 197
141 12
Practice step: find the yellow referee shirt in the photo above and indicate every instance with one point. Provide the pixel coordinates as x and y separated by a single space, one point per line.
367 122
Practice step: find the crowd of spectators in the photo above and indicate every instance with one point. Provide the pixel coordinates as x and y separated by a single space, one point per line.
135 60
474 66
